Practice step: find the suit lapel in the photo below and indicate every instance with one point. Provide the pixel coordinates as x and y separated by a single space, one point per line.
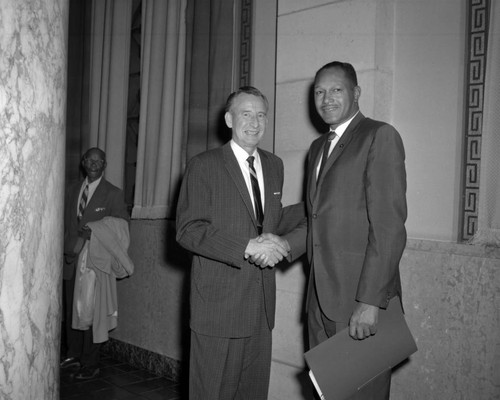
234 170
98 198
341 145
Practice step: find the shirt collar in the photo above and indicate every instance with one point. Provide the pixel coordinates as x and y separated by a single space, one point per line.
339 131
93 185
241 154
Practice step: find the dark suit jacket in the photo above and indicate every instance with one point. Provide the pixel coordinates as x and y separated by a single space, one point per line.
215 221
356 215
107 200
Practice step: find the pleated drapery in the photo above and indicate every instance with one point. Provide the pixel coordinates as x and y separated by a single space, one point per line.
163 58
109 75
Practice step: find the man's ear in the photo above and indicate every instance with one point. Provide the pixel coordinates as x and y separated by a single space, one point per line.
357 93
229 119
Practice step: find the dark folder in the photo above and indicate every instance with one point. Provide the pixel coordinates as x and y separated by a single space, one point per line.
340 366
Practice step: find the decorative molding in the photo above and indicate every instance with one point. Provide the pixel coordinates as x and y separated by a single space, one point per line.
477 45
154 363
245 42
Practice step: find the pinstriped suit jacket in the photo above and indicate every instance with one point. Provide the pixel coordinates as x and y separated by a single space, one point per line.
215 220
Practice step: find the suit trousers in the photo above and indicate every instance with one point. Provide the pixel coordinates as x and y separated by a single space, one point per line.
80 344
320 328
231 368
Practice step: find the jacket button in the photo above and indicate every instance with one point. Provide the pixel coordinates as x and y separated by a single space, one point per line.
315 215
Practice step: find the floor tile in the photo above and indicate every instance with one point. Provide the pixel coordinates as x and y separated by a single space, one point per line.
118 381
164 393
147 385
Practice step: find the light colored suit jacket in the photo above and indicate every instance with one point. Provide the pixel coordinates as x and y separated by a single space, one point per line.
356 216
215 221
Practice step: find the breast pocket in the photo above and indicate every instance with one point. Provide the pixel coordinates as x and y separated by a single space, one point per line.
273 206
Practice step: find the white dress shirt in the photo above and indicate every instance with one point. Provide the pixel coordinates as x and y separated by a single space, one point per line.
339 131
241 155
92 188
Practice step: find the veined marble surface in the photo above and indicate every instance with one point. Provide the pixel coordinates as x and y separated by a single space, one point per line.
451 294
157 364
33 52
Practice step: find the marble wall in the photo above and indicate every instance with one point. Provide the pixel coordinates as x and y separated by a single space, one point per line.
33 52
452 304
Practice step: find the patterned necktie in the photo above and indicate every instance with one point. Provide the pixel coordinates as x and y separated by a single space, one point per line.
326 149
259 213
83 202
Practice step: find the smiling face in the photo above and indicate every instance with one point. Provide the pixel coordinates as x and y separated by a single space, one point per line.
247 118
94 163
335 96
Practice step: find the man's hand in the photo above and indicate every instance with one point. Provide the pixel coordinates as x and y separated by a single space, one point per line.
283 243
363 322
260 259
85 232
265 252
83 235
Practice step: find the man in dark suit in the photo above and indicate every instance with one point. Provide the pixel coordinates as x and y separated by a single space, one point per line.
86 201
219 218
356 206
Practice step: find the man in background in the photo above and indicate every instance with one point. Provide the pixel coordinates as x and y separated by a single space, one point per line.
86 201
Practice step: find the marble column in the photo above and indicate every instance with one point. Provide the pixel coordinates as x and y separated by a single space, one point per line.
33 55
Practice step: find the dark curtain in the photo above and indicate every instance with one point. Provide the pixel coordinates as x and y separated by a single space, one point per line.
77 107
211 70
210 74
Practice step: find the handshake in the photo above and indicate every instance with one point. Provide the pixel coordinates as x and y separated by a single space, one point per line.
267 250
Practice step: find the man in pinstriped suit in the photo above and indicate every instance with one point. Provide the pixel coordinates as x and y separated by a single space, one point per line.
232 298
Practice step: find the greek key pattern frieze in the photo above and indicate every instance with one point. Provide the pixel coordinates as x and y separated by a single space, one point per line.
477 36
245 42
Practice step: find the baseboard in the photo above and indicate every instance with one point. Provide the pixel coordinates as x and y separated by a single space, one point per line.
144 359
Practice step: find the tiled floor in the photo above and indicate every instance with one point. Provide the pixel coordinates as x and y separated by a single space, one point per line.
119 381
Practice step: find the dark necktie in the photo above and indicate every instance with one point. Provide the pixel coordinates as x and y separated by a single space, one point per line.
83 202
259 213
326 149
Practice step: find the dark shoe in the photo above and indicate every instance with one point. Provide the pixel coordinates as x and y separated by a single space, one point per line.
87 373
70 362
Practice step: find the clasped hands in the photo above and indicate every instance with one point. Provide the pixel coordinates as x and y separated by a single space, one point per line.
267 250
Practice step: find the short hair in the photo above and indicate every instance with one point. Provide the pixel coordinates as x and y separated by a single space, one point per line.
245 90
96 149
348 69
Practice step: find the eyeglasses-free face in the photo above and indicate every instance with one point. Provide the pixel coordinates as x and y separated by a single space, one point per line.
94 164
91 161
